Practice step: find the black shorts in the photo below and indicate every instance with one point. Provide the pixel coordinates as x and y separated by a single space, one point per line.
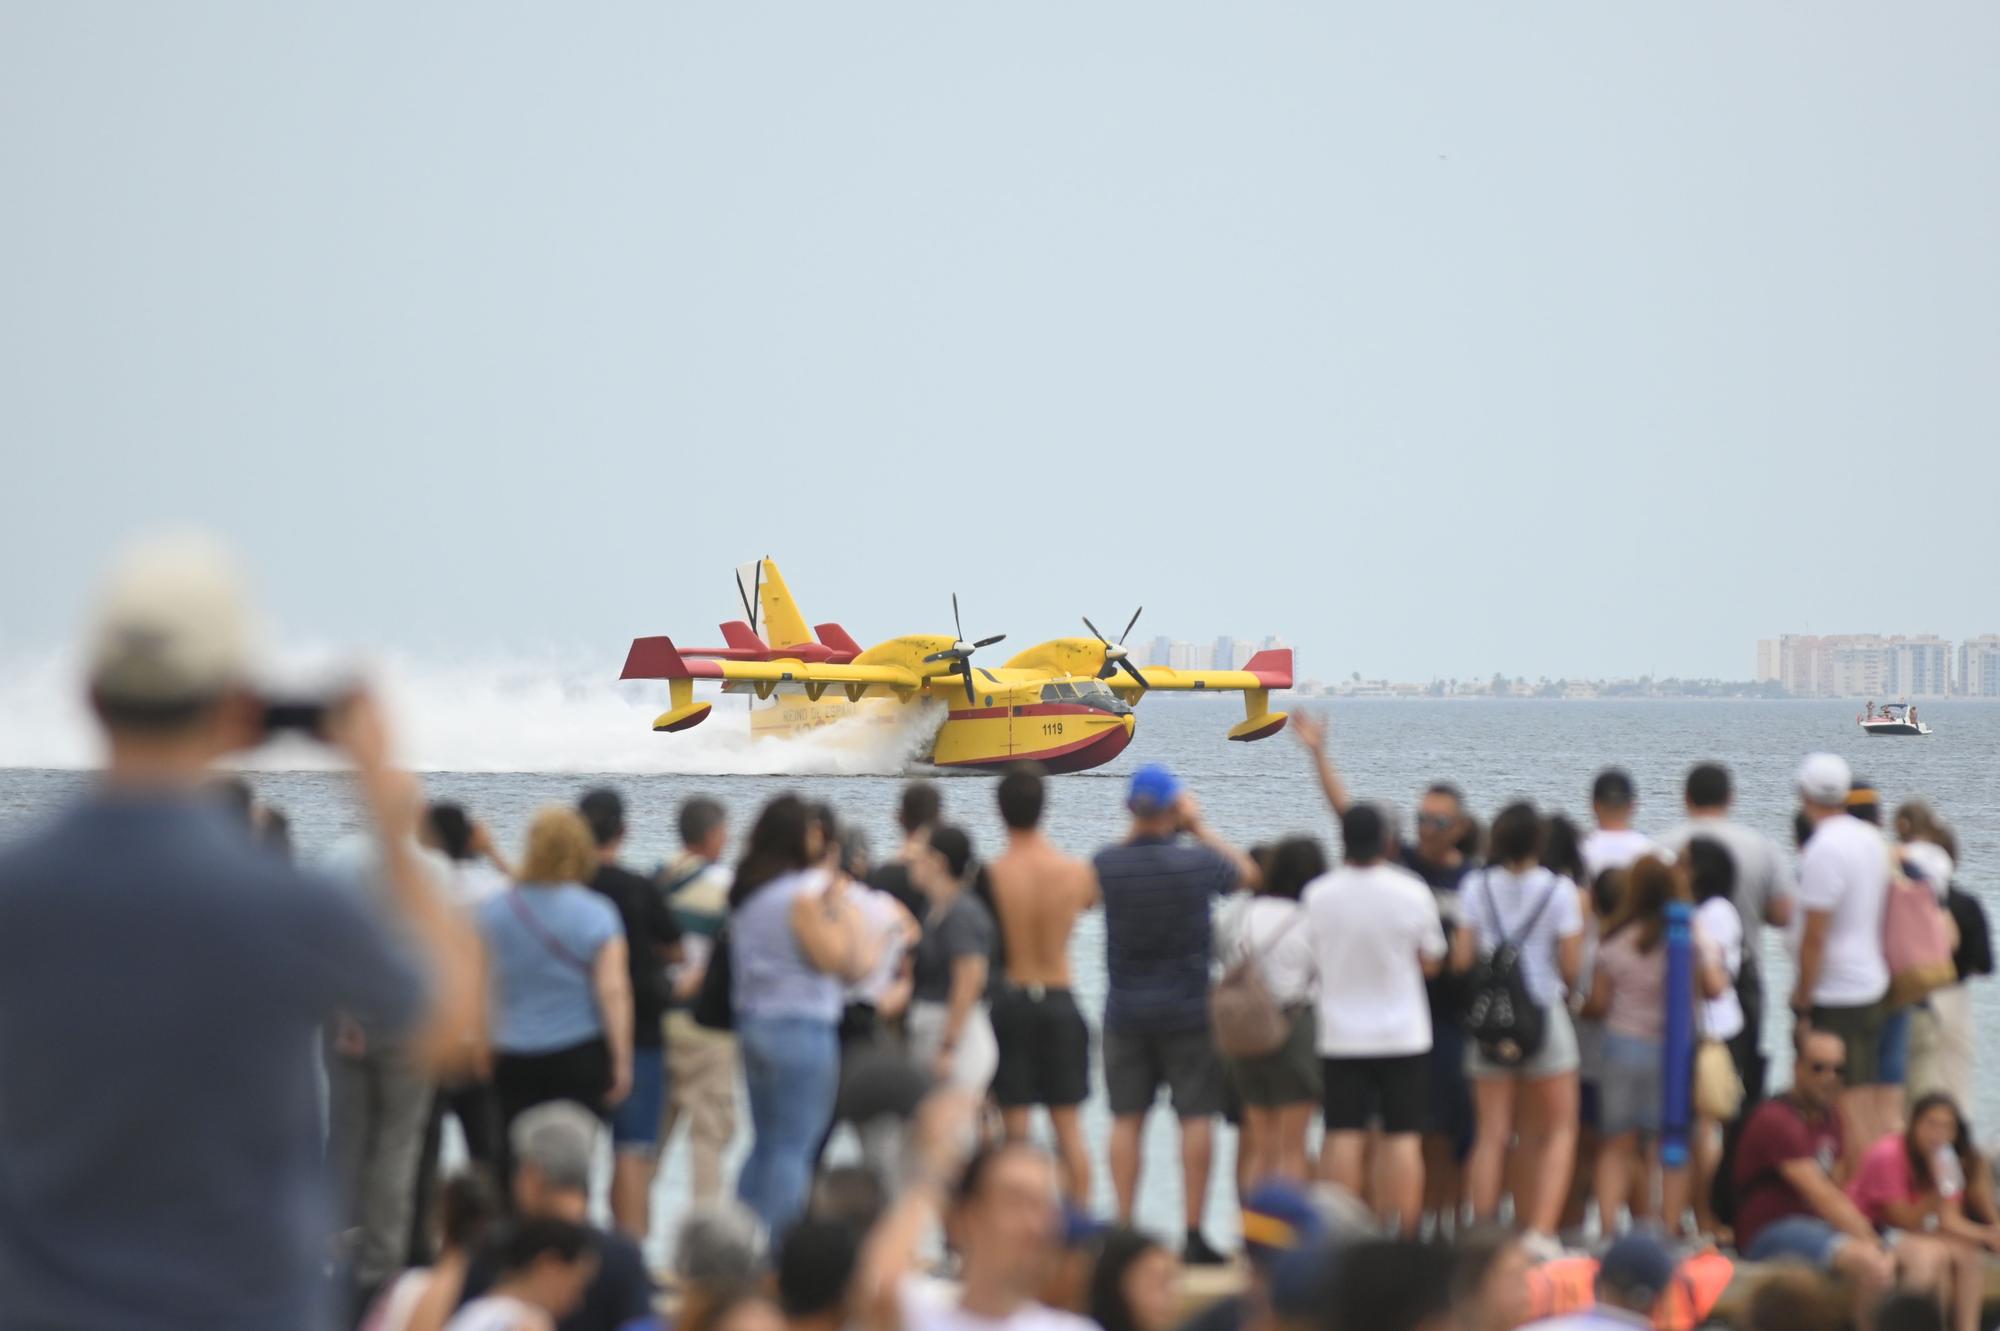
1359 1090
1137 1064
1044 1048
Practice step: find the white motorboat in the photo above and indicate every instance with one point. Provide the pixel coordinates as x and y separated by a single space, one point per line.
1895 718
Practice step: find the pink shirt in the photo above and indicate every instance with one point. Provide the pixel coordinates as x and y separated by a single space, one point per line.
1638 982
1884 1176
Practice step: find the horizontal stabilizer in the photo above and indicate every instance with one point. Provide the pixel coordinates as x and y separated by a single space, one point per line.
741 637
1273 668
654 658
845 648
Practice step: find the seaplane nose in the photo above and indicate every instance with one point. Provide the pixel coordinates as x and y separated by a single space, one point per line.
1131 724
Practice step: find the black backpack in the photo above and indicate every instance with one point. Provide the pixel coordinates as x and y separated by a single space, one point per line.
1500 1015
1975 937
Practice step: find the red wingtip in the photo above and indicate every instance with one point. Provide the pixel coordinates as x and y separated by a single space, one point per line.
1272 668
654 658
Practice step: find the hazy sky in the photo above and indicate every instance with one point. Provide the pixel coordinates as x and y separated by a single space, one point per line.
1439 339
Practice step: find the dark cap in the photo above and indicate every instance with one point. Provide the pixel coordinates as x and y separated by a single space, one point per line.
1637 1268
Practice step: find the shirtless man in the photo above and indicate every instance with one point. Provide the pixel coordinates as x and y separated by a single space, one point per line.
1044 1044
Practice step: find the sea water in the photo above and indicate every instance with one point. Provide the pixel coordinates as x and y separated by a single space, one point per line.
533 739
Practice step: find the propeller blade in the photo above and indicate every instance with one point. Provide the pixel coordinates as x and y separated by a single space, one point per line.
954 617
1133 671
965 669
1094 633
988 642
1128 627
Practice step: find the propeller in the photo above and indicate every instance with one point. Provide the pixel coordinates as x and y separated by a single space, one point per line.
960 652
1115 655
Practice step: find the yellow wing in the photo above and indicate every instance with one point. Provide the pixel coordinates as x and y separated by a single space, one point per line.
1263 672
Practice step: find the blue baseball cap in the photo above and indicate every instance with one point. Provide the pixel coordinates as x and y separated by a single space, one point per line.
1080 1227
1278 1217
1153 788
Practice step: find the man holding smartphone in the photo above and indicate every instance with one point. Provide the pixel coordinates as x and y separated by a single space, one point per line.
161 981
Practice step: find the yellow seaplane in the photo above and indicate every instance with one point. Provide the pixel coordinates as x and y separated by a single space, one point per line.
1066 704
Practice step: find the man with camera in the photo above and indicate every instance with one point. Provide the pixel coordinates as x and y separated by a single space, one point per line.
162 978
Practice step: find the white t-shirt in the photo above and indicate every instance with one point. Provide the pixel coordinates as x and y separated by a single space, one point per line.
499 1312
1277 931
1621 849
1718 930
1513 898
881 915
1933 862
932 1305
1372 929
473 881
1844 872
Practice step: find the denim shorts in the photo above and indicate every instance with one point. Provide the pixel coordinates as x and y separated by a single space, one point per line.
635 1124
1892 1062
1629 1094
1797 1238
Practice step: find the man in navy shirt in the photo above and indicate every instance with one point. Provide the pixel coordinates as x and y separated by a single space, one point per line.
1156 886
161 980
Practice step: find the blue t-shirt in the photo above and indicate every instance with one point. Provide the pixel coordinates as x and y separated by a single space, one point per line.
161 979
541 946
1157 936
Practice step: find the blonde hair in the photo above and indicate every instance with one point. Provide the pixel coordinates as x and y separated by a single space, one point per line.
560 848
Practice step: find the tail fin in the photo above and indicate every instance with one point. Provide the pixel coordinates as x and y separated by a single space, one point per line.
770 604
845 648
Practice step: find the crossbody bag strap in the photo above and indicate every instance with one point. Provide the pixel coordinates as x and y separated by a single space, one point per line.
549 941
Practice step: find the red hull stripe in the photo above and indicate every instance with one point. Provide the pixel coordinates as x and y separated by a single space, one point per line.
979 714
1076 756
1054 709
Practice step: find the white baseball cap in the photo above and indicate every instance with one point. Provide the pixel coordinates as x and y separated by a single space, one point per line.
1825 779
171 626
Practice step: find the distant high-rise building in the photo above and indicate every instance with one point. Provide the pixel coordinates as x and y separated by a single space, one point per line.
1979 666
1189 656
1232 653
1768 667
1161 653
1862 665
1273 643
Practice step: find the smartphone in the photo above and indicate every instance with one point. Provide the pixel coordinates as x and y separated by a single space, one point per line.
303 716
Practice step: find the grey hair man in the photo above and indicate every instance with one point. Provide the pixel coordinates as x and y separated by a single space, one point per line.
553 1148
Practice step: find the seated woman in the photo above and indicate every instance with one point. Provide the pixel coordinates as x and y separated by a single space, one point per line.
1930 1190
545 1265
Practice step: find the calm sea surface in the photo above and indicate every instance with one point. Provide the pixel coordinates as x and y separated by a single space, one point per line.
1496 750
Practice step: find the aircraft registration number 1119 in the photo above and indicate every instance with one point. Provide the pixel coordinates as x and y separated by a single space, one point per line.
1052 727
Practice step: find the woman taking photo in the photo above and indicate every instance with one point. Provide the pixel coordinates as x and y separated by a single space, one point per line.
1281 1090
795 943
561 994
1516 902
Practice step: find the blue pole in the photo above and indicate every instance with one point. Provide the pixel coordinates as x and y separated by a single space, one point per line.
1677 1076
